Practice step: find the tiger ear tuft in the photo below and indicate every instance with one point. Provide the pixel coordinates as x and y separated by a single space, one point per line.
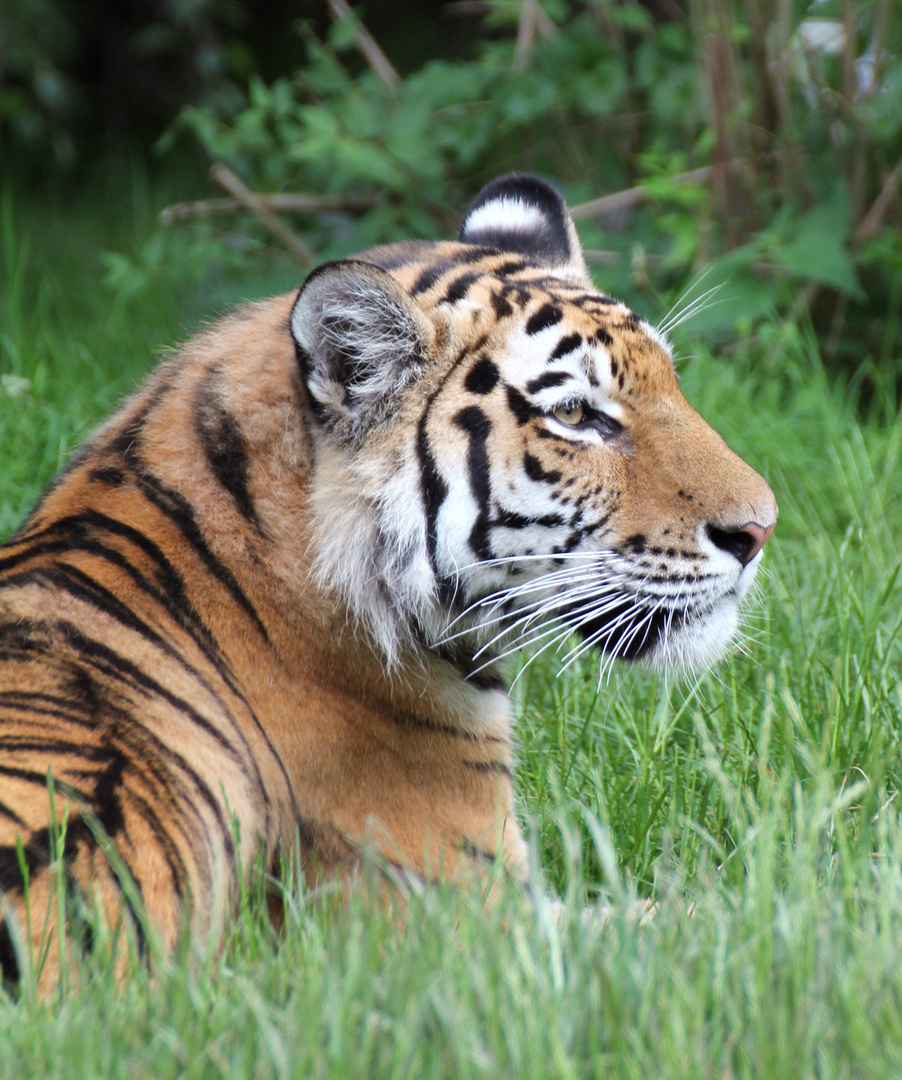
524 214
360 341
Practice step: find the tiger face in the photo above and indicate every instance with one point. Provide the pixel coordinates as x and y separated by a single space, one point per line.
514 461
276 590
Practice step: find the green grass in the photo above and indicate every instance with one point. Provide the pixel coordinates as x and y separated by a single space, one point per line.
767 795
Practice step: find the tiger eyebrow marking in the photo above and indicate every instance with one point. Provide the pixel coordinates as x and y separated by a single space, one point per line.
548 380
522 409
566 345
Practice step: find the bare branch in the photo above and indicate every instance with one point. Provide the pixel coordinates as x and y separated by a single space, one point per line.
300 203
367 45
254 204
634 196
533 20
873 219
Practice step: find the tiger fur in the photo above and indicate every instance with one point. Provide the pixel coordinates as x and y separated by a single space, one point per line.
275 592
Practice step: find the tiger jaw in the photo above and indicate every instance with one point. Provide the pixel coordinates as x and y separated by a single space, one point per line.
600 600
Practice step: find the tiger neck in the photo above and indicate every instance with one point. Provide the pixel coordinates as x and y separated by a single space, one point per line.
415 761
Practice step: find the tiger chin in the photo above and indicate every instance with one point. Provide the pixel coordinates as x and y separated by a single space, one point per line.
274 594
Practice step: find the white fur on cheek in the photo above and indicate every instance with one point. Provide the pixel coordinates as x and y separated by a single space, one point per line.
369 536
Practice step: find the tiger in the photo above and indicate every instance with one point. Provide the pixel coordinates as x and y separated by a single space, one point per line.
274 597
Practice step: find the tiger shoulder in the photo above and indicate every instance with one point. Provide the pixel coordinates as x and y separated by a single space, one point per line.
276 593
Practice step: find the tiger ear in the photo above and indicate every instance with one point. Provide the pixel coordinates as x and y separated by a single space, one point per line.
521 213
360 341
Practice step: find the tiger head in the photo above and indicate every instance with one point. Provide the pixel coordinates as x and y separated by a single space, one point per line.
504 456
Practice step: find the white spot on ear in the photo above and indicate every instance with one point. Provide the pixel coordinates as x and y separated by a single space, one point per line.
506 214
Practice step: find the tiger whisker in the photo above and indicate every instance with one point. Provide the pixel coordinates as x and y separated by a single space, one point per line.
493 601
532 610
528 634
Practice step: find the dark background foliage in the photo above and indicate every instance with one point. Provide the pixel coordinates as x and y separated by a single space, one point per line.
764 139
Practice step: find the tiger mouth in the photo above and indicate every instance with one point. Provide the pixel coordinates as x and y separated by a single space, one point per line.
629 630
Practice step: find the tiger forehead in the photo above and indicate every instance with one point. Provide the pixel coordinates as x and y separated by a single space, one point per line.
492 295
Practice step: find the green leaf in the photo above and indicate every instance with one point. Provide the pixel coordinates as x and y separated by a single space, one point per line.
816 247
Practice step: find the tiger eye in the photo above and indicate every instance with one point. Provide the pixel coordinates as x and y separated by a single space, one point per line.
570 414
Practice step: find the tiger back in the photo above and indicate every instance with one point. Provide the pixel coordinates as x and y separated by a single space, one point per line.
275 594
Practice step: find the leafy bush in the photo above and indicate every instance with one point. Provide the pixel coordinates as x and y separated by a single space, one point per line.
796 122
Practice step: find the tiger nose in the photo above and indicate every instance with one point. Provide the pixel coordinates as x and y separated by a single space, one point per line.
743 542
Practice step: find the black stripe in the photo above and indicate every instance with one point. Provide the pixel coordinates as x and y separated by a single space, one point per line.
36 852
519 292
9 964
80 585
501 306
521 407
8 812
69 579
547 315
429 277
75 536
222 442
458 290
37 713
114 666
546 381
591 300
34 743
485 678
511 520
109 475
479 675
416 723
178 870
433 487
482 377
118 667
535 471
477 425
109 664
126 439
512 266
181 514
176 507
566 345
172 599
105 800
30 776
489 767
477 853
